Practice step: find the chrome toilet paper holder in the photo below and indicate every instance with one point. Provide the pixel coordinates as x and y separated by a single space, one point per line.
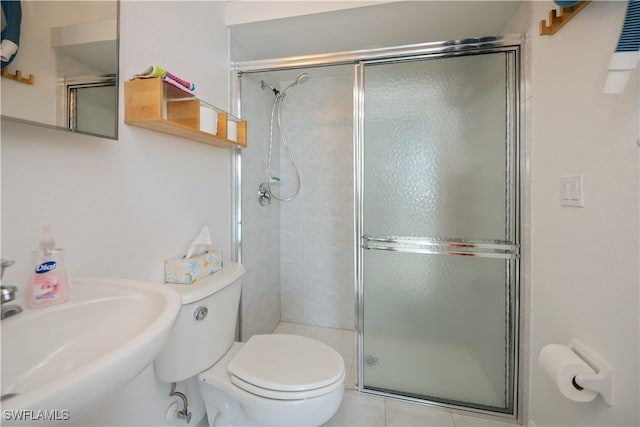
602 380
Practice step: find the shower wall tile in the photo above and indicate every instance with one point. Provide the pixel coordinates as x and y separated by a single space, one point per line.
260 225
317 227
260 237
309 241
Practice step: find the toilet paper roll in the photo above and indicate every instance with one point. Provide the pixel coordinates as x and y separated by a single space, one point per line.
562 365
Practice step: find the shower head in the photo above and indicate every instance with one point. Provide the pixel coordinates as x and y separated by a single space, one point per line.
301 79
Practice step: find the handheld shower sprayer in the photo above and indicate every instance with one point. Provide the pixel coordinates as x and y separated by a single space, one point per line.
264 193
301 79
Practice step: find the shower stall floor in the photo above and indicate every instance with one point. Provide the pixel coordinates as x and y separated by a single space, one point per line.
477 388
449 371
360 409
341 340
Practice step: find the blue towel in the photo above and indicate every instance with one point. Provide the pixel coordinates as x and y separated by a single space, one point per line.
12 11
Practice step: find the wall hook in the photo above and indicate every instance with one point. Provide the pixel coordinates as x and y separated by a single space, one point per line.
18 77
555 21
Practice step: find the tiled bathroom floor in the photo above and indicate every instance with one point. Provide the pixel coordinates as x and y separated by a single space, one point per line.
359 409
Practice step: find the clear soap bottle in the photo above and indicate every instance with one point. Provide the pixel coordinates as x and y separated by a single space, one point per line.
49 284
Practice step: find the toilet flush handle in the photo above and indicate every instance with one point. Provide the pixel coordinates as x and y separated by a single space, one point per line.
200 313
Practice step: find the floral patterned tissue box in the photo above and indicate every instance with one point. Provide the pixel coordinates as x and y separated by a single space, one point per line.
189 270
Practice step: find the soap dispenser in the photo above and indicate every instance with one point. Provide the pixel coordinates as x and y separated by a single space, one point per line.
50 284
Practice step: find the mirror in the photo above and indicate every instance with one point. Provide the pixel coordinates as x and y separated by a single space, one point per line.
71 50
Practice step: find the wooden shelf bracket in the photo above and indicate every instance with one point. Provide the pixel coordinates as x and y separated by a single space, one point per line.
555 21
17 76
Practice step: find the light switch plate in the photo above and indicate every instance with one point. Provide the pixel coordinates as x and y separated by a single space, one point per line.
572 193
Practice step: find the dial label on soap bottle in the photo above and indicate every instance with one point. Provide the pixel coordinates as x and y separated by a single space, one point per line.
45 267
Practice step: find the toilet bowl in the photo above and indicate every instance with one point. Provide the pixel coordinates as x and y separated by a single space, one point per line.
274 380
271 380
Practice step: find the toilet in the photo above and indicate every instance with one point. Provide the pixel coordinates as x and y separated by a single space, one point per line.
271 380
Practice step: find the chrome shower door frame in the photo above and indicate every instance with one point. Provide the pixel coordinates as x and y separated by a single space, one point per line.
485 249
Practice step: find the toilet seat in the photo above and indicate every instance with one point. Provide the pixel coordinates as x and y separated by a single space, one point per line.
285 395
286 367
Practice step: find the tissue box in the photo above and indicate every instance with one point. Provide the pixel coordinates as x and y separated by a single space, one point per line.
189 270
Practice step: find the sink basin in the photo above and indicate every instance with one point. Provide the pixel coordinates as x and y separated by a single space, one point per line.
70 356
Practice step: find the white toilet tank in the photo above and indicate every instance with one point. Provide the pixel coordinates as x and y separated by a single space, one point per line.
205 327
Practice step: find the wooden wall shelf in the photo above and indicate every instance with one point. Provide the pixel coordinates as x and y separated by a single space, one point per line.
152 104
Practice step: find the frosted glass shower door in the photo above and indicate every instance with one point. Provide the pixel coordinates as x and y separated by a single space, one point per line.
439 220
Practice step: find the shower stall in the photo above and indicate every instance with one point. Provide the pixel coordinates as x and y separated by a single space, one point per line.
406 224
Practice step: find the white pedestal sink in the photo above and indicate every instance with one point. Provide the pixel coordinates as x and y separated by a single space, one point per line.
57 362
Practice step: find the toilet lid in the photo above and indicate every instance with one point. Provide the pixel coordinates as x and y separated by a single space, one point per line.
285 363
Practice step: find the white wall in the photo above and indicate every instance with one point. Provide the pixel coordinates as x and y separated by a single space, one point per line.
584 282
242 12
121 207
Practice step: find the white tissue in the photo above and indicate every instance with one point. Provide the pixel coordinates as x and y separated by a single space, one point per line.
208 120
232 131
200 244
